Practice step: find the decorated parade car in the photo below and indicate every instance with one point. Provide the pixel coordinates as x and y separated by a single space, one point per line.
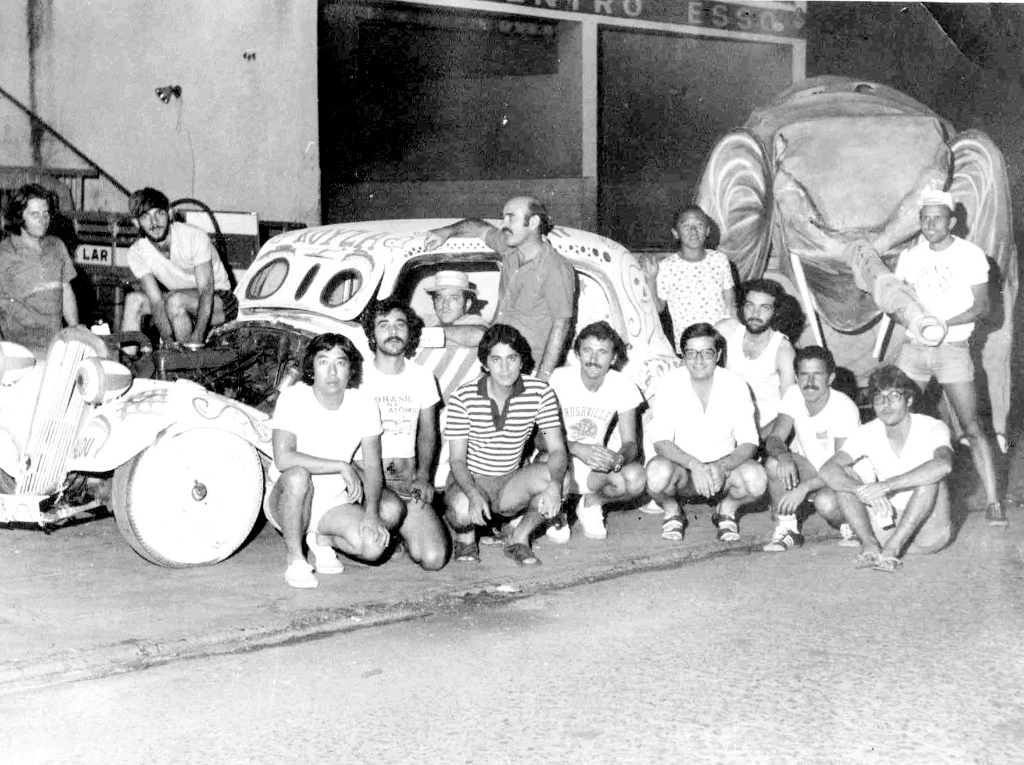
175 442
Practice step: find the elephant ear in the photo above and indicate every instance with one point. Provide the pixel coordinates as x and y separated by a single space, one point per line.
981 185
735 190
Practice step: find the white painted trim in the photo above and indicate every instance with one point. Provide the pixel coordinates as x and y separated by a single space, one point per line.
654 26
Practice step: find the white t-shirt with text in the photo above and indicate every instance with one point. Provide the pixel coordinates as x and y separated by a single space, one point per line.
588 414
400 398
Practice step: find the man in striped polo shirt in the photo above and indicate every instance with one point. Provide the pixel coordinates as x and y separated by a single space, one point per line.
489 422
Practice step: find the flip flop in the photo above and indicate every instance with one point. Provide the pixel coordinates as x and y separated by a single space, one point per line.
887 564
672 529
866 559
521 554
466 552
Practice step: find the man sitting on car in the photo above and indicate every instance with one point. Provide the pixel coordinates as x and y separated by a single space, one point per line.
185 287
453 294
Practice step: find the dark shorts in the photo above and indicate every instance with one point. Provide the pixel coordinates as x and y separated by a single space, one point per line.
490 485
230 303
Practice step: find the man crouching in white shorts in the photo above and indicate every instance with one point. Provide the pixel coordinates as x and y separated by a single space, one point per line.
317 425
890 477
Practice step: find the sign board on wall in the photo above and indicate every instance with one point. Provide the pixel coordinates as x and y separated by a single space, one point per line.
735 17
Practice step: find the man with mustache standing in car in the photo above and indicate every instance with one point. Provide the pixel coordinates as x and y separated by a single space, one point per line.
537 290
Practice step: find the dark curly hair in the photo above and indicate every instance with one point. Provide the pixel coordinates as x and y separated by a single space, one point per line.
510 336
824 355
143 200
891 377
326 342
767 286
25 194
602 330
382 308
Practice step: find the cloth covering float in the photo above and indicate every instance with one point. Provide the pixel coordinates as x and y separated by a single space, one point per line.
822 187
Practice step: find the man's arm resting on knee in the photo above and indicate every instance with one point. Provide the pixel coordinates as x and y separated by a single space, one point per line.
836 475
736 457
151 288
551 500
426 452
628 428
204 286
932 471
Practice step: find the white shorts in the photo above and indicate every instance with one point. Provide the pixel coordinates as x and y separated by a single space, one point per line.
329 491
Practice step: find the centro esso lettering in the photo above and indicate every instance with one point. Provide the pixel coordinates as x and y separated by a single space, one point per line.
633 8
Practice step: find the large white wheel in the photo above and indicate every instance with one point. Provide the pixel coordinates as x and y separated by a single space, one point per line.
189 500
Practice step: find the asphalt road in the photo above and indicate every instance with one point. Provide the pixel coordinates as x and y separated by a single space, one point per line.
754 658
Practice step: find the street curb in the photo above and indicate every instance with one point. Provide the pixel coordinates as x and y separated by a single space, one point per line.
121 658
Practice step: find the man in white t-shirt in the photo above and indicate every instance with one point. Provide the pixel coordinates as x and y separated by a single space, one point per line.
705 436
184 284
819 419
407 397
590 397
317 493
950 276
890 477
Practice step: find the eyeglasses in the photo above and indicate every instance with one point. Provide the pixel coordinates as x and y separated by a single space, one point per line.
893 397
706 353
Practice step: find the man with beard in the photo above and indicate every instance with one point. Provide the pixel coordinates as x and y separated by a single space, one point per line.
489 422
185 287
704 433
819 419
35 272
950 276
591 396
759 354
407 397
890 477
537 290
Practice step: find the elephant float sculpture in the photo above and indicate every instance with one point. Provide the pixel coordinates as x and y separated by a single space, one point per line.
821 189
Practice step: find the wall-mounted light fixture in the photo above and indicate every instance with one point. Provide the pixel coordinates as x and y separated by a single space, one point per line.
165 93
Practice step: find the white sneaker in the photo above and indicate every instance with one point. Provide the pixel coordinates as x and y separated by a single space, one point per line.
558 530
849 539
591 521
325 559
300 574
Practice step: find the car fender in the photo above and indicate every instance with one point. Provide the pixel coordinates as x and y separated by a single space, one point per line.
118 430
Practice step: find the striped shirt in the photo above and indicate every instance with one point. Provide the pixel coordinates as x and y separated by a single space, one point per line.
496 438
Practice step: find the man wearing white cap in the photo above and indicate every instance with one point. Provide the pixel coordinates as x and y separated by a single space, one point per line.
453 296
950 276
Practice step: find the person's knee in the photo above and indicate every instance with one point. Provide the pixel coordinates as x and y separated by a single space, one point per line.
826 503
659 475
456 511
432 558
177 305
392 511
635 478
752 479
136 302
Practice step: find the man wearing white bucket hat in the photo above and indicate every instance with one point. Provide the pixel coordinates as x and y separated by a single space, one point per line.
453 296
950 277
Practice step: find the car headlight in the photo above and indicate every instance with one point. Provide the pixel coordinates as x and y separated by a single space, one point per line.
100 380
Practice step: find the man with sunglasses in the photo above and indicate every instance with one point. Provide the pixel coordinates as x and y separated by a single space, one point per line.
184 283
890 477
705 438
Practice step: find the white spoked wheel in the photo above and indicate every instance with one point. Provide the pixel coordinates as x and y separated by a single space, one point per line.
189 500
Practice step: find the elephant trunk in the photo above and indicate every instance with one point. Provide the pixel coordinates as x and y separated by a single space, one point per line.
892 294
